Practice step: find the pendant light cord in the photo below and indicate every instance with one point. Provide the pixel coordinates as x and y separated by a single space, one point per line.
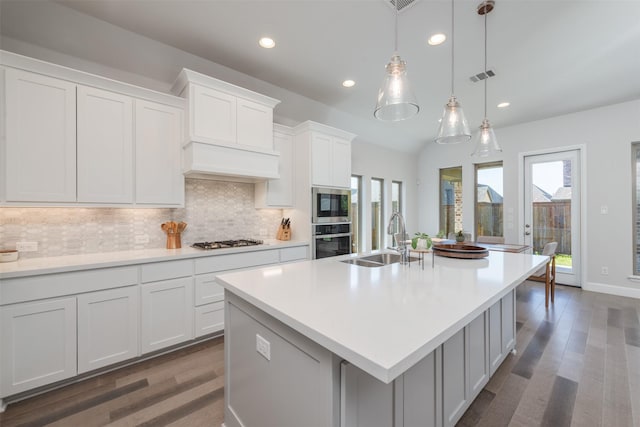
395 46
452 50
485 65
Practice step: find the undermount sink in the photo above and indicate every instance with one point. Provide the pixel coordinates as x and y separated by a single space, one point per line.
377 260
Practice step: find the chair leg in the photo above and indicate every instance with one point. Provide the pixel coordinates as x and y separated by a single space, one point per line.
553 278
547 288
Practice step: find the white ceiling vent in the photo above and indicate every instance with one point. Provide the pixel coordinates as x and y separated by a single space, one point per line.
402 4
491 72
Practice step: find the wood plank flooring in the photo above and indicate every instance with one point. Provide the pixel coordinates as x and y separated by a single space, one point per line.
577 364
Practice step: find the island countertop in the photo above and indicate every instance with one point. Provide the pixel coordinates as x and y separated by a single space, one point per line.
381 319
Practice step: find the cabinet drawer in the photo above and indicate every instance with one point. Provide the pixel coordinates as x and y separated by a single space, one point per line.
55 285
235 261
209 318
207 290
166 270
294 254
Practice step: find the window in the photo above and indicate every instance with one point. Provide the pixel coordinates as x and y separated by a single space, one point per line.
356 214
377 199
450 200
635 155
396 202
489 205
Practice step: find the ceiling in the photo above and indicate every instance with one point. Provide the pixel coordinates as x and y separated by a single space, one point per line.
551 56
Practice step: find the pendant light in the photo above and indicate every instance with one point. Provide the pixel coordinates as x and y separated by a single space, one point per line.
453 124
396 100
485 141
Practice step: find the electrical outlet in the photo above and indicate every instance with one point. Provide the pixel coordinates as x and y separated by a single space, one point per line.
605 271
27 246
604 209
263 347
141 239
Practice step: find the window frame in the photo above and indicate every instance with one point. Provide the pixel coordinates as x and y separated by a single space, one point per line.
380 236
477 166
441 226
635 171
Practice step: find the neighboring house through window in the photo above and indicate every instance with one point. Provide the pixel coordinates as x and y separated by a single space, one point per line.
451 200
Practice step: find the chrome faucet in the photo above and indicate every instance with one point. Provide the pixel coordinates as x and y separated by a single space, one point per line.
400 237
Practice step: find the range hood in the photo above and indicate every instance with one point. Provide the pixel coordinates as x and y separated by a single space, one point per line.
229 130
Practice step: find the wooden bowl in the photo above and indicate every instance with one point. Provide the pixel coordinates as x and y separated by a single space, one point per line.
460 251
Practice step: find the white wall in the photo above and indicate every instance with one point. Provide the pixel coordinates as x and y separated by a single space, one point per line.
371 161
606 134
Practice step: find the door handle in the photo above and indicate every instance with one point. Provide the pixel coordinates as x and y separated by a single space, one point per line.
527 226
527 233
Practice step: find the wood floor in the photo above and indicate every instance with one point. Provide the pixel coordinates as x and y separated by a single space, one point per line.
577 364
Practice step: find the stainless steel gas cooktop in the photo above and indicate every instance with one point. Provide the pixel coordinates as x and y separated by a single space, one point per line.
227 244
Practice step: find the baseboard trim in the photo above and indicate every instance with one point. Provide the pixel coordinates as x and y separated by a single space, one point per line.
612 290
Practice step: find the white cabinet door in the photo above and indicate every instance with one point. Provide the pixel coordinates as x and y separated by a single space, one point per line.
478 358
213 115
105 146
40 138
278 193
254 126
38 344
496 352
167 313
107 327
321 160
209 319
455 397
341 155
508 322
159 178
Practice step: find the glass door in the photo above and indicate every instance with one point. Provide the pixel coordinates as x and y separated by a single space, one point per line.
552 209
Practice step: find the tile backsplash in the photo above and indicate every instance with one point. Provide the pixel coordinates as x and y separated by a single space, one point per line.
214 210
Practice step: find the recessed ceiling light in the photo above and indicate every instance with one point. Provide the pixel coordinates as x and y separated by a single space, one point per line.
266 43
348 83
504 104
436 39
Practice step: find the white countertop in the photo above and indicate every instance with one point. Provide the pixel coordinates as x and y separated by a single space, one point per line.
36 266
381 319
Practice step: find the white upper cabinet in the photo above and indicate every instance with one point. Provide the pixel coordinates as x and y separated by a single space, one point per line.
330 153
40 138
71 136
105 146
278 193
159 178
254 124
222 113
213 116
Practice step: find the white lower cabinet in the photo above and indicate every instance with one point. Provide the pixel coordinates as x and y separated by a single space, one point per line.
38 344
501 330
209 319
166 313
107 327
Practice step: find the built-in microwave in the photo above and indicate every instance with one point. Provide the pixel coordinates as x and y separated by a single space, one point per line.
330 205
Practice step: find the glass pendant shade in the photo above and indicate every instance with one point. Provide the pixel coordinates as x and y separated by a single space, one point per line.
485 141
453 125
396 100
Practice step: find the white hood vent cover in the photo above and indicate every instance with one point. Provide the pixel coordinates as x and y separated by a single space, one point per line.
229 130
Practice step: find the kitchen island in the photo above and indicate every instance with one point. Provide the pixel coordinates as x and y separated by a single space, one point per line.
327 343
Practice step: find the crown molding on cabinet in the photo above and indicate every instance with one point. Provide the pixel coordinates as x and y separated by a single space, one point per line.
14 60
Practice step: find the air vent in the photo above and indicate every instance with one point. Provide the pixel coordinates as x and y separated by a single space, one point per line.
402 4
483 76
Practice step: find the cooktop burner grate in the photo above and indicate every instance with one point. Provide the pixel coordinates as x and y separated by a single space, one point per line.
221 244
